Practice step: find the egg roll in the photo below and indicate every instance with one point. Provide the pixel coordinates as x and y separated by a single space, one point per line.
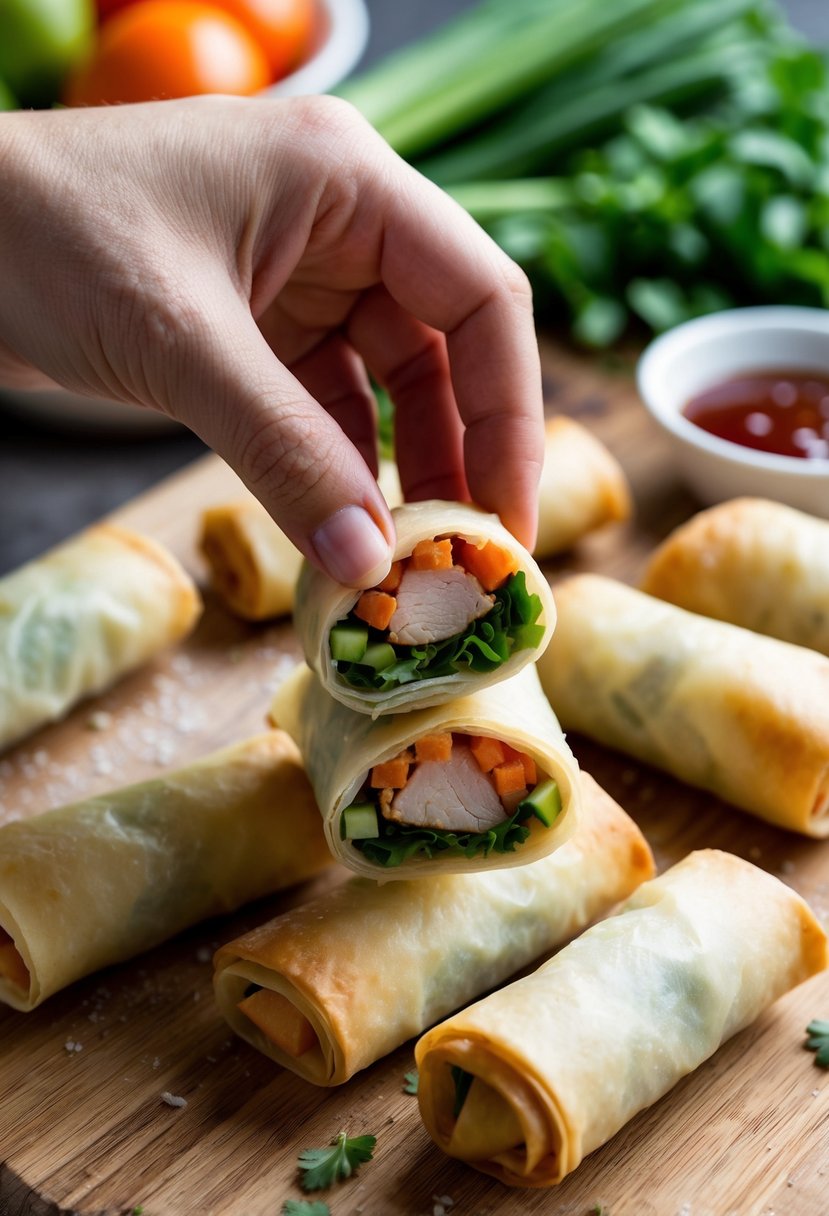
254 567
463 607
94 883
328 988
736 713
483 782
528 1081
75 620
754 563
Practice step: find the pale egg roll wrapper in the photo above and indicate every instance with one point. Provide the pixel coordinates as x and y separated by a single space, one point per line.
75 620
736 713
341 747
254 567
321 603
369 967
99 881
562 1059
754 563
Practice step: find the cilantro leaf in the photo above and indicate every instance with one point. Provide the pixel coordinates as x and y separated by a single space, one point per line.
412 1080
818 1041
324 1166
305 1207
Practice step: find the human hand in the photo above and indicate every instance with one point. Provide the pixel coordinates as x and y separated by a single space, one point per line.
239 265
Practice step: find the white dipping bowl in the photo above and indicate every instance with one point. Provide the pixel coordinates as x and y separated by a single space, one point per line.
700 354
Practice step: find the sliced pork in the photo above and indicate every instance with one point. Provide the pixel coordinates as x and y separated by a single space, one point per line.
452 794
433 605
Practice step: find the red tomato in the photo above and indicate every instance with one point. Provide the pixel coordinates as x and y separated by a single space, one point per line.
283 28
168 48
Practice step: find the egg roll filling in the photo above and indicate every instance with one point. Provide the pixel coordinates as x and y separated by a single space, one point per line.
449 606
450 794
233 567
279 1020
12 967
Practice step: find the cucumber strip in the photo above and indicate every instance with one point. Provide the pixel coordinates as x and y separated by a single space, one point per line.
359 822
348 643
544 802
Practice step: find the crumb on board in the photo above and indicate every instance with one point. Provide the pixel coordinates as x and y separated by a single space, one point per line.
173 1099
70 1046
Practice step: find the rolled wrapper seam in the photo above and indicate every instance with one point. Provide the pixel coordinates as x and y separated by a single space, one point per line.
341 747
94 883
562 1059
81 616
320 603
731 711
370 967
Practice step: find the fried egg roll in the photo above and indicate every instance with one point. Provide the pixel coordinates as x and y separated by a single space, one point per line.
82 615
754 563
483 782
328 988
741 715
463 607
99 881
582 487
528 1081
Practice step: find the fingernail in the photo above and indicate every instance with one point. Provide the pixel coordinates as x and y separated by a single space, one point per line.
352 548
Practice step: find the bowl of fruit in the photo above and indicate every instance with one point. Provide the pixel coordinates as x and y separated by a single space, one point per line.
98 52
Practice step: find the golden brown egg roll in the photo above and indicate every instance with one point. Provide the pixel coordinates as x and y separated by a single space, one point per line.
99 881
452 818
582 487
528 1081
742 715
328 988
450 630
82 615
754 563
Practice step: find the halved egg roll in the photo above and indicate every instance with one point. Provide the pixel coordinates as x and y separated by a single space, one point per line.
754 563
464 606
528 1081
328 988
254 567
96 882
742 715
82 615
483 782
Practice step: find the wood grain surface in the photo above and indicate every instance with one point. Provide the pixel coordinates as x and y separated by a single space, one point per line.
83 1127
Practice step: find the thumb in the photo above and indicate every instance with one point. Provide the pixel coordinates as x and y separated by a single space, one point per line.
236 395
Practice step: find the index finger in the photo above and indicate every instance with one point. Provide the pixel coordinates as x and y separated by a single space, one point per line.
440 266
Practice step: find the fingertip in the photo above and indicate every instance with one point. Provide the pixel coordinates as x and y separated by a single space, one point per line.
353 548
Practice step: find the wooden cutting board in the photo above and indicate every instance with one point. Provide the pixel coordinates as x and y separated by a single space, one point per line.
83 1128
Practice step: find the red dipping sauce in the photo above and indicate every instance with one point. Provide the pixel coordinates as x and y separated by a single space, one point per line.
786 412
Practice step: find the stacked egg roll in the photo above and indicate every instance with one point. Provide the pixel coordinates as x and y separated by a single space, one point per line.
328 988
742 715
76 619
754 563
342 751
528 1081
99 881
254 567
513 619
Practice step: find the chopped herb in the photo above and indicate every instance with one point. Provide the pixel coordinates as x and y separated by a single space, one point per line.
305 1207
599 1209
138 1211
398 841
510 625
818 1041
463 1080
324 1166
411 1082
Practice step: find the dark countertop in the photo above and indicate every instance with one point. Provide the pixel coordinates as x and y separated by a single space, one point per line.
53 483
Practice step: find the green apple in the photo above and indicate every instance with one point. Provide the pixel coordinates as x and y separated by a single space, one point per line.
39 40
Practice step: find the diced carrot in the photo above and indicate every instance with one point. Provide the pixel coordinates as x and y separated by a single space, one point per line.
434 747
490 564
509 777
432 555
530 774
280 1020
391 774
375 608
392 580
488 752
